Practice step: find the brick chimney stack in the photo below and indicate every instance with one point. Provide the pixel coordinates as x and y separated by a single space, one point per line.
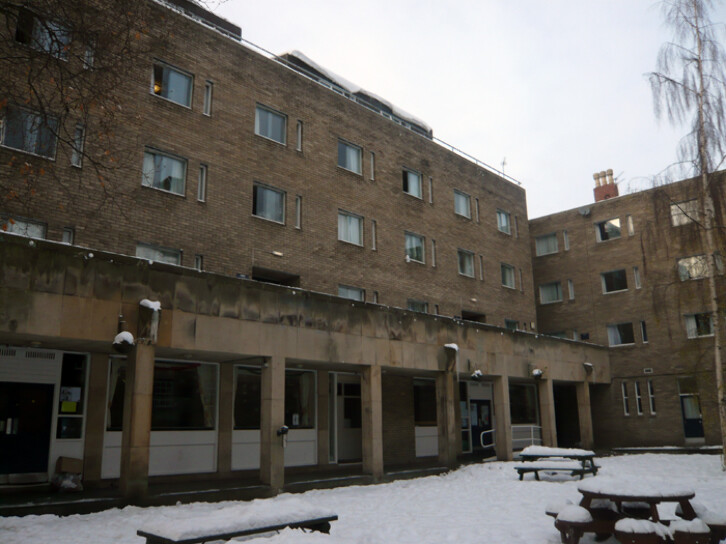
604 185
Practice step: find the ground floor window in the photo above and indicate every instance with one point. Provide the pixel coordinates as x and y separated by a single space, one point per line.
523 403
300 399
71 396
424 402
247 397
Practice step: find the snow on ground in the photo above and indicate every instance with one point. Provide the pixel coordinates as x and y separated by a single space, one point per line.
477 503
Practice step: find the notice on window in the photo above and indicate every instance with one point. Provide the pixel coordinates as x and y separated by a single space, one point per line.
69 399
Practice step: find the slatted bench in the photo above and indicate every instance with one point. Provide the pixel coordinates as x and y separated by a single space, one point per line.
574 468
227 522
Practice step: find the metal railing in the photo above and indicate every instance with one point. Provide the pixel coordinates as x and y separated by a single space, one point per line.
493 435
526 435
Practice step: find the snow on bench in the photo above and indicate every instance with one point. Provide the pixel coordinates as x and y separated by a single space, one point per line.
546 451
575 468
258 516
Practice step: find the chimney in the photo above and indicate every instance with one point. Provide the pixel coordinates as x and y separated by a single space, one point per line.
604 185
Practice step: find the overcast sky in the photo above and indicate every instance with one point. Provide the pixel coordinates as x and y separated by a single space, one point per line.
558 87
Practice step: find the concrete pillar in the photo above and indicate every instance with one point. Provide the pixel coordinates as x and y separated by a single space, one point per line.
446 418
372 415
324 417
503 418
272 418
547 412
95 417
226 418
138 396
584 414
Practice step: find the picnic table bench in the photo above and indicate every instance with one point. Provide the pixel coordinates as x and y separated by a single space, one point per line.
575 461
254 518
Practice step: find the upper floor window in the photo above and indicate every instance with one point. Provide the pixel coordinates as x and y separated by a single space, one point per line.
466 263
508 276
208 90
353 293
350 228
42 34
613 281
172 84
504 222
550 292
693 268
415 248
698 325
417 306
621 334
28 131
79 136
462 204
270 124
158 254
412 183
546 244
608 230
164 172
268 203
511 324
349 156
24 227
685 212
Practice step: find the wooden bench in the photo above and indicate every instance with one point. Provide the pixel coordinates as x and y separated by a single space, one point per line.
574 468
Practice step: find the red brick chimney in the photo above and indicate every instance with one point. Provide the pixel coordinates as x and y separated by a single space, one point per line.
604 185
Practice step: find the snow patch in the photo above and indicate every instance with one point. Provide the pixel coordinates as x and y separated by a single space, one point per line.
549 452
575 514
124 337
153 305
642 526
455 347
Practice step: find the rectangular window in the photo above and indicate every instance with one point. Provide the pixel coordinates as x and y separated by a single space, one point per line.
247 398
546 244
683 213
208 89
299 134
699 325
566 240
23 227
415 248
298 212
462 204
631 228
30 132
651 397
42 34
504 222
607 230
571 289
72 394
375 297
476 209
636 277
521 288
644 332
508 276
374 235
417 306
431 190
550 292
350 228
90 53
466 263
638 399
68 235
620 334
412 183
424 402
614 281
511 324
349 156
158 254
300 399
164 172
516 227
199 262
481 267
626 404
202 183
172 84
373 166
268 203
693 268
270 124
79 135
433 253
353 293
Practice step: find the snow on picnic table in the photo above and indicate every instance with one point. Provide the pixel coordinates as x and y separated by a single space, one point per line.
477 503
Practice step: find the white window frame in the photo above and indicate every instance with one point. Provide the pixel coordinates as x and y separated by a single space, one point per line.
202 183
298 212
510 271
199 262
262 187
411 303
24 227
571 289
299 136
345 291
418 181
344 234
32 135
694 267
566 240
624 392
643 331
374 235
604 284
162 253
208 94
691 321
601 230
629 223
422 243
462 204
259 108
636 277
638 398
158 92
685 212
550 298
504 222
347 146
46 35
651 397
152 183
543 245
433 253
79 137
616 325
373 166
68 235
469 258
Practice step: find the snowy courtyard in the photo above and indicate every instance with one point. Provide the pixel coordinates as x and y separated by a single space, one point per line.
478 503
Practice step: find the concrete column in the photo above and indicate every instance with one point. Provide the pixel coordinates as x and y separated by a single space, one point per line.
372 412
138 396
272 418
584 414
446 418
324 417
226 418
547 412
503 418
95 417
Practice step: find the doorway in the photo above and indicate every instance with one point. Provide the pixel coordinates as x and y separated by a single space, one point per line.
691 409
480 415
346 438
567 420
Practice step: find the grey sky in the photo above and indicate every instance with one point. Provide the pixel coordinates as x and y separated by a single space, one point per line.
557 87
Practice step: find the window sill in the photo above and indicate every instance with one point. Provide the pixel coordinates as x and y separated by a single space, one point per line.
614 292
413 196
608 240
182 195
513 288
350 243
701 336
344 169
466 276
468 218
170 101
545 254
24 152
504 232
409 260
278 142
551 302
621 345
276 222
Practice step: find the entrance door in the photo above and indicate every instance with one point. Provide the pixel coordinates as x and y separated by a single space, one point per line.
26 412
692 419
480 414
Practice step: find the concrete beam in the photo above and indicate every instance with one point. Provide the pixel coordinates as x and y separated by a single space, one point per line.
372 412
584 413
446 418
503 418
547 412
272 419
226 418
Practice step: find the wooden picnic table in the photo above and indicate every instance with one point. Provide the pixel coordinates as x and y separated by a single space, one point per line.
555 456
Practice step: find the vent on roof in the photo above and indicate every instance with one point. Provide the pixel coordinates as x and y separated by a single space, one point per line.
40 355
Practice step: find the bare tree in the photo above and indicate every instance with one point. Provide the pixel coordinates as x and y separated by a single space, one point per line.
689 86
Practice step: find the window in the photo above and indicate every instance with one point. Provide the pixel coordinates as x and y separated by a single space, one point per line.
699 325
300 399
626 404
350 228
550 292
571 289
433 253
523 403
620 334
503 222
415 248
353 293
516 227
607 230
417 306
466 263
68 236
208 89
566 240
373 166
164 172
298 212
247 398
268 203
90 53
374 235
614 281
481 267
412 183
202 184
431 190
546 244
693 268
158 254
631 228
476 208
299 134
24 227
521 287
651 397
636 277
30 132
199 262
511 324
172 84
508 276
644 332
424 402
462 204
270 124
77 149
71 398
349 156
683 213
42 34
638 399
375 297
